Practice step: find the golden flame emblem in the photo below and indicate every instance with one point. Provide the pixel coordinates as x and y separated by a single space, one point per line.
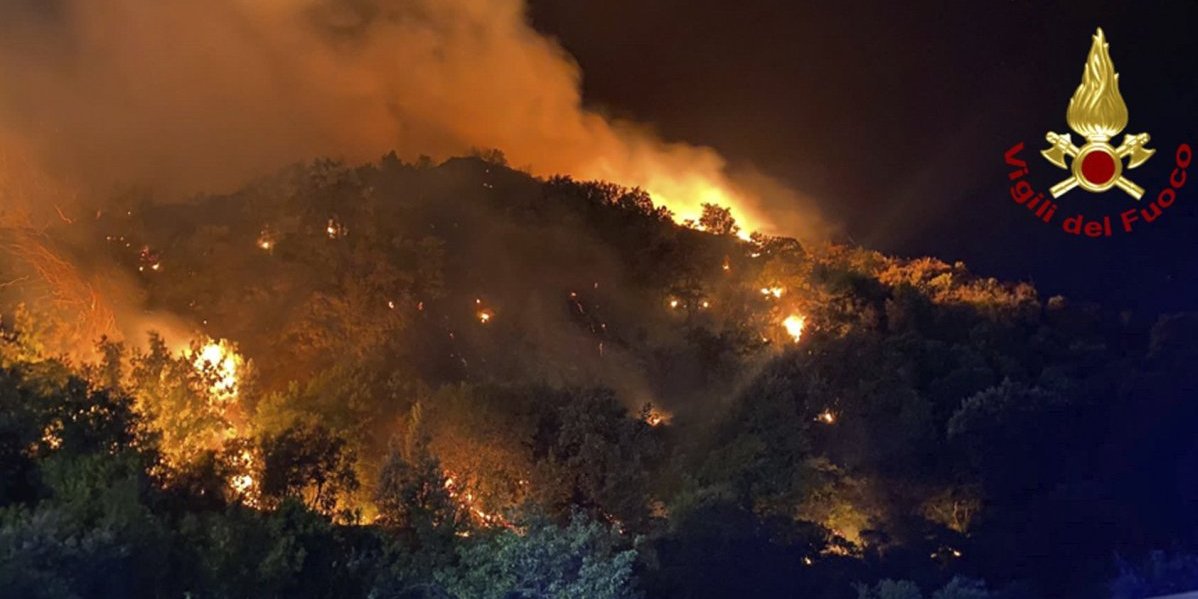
1097 113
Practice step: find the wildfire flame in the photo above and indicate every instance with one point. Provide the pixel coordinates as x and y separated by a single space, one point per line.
335 229
222 364
466 500
1097 111
243 484
775 292
794 326
485 316
655 417
53 286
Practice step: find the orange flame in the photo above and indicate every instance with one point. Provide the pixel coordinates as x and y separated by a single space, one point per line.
794 326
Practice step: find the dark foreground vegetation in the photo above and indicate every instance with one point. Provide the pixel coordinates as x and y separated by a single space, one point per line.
464 382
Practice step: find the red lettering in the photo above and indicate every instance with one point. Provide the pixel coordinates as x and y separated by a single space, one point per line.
1151 215
1073 224
1011 159
1021 191
1176 182
1166 193
1182 149
1128 217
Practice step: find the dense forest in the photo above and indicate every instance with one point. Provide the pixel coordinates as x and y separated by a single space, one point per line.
459 381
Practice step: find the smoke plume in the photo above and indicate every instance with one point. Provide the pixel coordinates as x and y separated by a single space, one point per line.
190 96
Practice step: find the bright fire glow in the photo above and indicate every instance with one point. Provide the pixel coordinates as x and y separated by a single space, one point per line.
335 229
244 484
656 417
221 364
794 326
685 195
466 500
485 316
826 417
775 292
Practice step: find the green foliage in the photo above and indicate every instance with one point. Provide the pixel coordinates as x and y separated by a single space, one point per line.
287 552
595 458
963 588
413 499
309 465
1160 573
957 588
173 398
890 589
1010 433
582 560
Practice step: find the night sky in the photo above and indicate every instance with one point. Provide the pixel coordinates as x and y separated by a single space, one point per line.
897 120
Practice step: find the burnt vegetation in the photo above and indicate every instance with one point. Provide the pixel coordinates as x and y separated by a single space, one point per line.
457 380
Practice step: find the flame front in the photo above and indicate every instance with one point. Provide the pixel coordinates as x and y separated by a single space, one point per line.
1097 111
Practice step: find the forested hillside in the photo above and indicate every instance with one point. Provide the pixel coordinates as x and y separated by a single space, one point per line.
457 380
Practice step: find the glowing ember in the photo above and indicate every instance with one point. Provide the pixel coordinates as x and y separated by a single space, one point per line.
826 417
794 326
485 316
774 292
335 229
705 304
655 417
50 435
674 303
466 500
266 240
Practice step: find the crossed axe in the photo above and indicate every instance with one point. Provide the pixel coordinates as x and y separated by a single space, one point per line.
1062 146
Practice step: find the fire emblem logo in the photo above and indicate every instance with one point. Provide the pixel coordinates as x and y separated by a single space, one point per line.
1097 113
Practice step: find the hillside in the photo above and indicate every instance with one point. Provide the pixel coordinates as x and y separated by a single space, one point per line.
419 380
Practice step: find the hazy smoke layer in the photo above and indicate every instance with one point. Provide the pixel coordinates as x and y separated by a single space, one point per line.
187 96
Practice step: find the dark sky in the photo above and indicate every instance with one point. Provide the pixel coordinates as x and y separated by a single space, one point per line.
896 116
